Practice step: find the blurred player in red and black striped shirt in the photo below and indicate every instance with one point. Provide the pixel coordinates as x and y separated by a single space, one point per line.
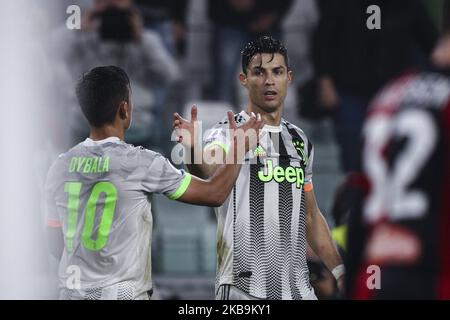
403 223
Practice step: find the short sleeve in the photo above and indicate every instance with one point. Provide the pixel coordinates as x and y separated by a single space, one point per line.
217 137
161 176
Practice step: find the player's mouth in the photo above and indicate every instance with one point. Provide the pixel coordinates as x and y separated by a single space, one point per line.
270 95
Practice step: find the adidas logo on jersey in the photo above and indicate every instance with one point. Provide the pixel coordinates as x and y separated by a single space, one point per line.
260 152
279 174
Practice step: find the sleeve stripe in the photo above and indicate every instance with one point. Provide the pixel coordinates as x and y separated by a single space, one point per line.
183 187
220 144
308 187
53 223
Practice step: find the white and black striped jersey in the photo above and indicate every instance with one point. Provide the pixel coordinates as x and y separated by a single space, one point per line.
261 239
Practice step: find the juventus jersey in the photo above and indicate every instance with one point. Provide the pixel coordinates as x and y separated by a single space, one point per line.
261 239
406 212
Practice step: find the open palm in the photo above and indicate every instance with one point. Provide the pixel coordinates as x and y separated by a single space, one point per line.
185 130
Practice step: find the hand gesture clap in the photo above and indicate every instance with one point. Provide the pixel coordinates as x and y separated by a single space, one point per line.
249 131
186 131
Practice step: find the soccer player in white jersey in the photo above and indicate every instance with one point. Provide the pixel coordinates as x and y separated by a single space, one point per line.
265 224
97 196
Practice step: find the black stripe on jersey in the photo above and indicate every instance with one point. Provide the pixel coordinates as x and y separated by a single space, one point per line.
281 256
225 292
286 210
299 250
239 259
310 146
242 254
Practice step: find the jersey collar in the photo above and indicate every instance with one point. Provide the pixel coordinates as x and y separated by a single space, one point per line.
91 143
266 127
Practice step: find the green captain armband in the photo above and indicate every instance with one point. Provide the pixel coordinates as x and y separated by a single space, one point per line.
183 187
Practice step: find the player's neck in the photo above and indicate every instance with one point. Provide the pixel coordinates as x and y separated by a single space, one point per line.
270 118
106 132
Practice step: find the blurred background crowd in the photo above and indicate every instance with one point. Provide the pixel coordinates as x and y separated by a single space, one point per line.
181 52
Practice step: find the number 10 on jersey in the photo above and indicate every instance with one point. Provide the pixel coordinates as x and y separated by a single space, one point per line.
110 200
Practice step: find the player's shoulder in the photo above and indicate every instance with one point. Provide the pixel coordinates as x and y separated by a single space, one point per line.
127 154
293 129
432 86
138 156
417 89
432 89
58 166
64 157
290 126
148 155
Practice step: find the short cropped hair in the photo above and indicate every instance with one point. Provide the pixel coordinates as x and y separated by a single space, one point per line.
100 93
265 44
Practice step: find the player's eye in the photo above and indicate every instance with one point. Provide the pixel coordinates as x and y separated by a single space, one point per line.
258 72
278 72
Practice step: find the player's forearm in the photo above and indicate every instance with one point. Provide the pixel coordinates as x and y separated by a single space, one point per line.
320 240
203 170
214 191
221 184
225 176
199 170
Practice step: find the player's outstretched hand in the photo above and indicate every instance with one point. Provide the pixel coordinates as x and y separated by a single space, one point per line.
185 130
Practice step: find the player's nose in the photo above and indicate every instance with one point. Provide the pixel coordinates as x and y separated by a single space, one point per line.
269 80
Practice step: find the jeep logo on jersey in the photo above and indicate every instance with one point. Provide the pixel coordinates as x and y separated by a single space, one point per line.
279 174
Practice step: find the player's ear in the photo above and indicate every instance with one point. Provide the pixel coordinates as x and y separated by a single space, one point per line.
290 75
243 79
124 110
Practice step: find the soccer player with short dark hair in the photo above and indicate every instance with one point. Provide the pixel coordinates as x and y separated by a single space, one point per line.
97 196
271 215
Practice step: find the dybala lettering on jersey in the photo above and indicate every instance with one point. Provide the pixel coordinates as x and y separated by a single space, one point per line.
89 165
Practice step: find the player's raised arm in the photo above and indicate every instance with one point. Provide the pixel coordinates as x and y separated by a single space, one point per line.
182 126
214 192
